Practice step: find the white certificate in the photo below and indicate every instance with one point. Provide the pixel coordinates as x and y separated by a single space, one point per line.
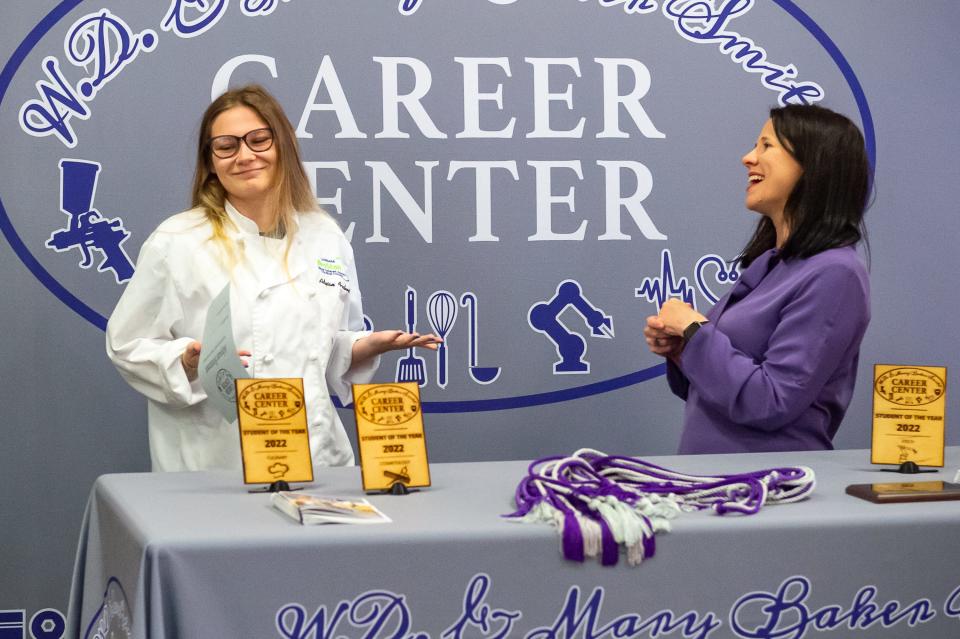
219 363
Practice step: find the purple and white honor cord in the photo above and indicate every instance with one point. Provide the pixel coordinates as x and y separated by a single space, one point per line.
601 502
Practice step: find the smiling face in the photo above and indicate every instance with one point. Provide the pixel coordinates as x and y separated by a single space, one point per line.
248 176
772 172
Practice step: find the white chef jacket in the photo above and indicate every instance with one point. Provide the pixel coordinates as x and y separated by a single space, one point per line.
298 318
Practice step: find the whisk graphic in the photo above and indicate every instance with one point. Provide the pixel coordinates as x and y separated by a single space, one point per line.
442 314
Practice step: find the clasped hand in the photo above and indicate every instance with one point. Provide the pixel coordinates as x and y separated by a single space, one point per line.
664 332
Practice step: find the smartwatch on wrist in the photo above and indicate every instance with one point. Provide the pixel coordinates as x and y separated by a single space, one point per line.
692 329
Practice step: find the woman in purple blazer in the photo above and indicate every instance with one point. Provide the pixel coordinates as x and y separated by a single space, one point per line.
772 365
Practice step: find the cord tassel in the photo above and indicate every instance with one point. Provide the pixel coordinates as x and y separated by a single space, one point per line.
601 502
611 549
572 537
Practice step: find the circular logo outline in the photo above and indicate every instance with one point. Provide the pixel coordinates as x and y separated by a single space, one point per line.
226 384
910 399
274 384
463 406
387 419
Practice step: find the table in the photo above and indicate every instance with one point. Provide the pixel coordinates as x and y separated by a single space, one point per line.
194 555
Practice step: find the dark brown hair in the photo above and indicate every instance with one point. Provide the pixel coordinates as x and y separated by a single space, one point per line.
826 207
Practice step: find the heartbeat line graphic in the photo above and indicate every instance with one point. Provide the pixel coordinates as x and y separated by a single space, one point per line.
659 289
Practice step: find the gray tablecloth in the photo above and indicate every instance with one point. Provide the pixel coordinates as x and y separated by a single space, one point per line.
194 555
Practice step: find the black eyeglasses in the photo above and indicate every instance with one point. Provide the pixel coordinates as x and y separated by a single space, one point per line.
227 146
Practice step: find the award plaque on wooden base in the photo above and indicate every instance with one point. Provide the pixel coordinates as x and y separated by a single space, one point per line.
905 491
909 404
393 451
273 431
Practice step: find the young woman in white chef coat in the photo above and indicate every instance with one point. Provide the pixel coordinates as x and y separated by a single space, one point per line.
294 296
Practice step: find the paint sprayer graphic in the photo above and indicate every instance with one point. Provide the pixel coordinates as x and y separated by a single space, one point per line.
87 230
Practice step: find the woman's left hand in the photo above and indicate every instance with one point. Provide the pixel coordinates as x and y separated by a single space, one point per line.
676 316
380 342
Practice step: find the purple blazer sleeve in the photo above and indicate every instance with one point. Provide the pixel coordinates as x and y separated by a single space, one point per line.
802 335
678 382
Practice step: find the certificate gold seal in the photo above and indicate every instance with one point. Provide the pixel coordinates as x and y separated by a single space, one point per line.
226 383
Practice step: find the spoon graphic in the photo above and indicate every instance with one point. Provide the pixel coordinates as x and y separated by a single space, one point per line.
480 374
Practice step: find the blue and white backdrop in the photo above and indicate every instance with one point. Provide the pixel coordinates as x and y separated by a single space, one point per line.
528 178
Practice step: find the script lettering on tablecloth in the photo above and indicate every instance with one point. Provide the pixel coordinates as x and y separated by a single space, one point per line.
785 613
377 613
493 622
780 614
584 621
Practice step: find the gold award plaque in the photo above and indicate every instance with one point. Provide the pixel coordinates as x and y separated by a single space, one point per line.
909 405
390 435
274 441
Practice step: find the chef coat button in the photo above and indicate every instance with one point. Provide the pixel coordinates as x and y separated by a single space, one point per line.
314 356
264 293
268 358
312 294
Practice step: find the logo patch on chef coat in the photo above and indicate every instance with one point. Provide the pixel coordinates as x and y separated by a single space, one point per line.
332 267
333 273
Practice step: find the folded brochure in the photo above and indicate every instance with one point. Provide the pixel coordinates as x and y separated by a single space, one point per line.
317 509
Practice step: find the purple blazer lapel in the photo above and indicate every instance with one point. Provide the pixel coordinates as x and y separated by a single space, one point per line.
749 279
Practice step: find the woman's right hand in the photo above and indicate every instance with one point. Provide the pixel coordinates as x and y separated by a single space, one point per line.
659 341
190 360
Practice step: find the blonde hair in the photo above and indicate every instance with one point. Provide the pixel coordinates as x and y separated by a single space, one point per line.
291 193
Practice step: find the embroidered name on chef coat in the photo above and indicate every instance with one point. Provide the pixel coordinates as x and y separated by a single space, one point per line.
333 273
